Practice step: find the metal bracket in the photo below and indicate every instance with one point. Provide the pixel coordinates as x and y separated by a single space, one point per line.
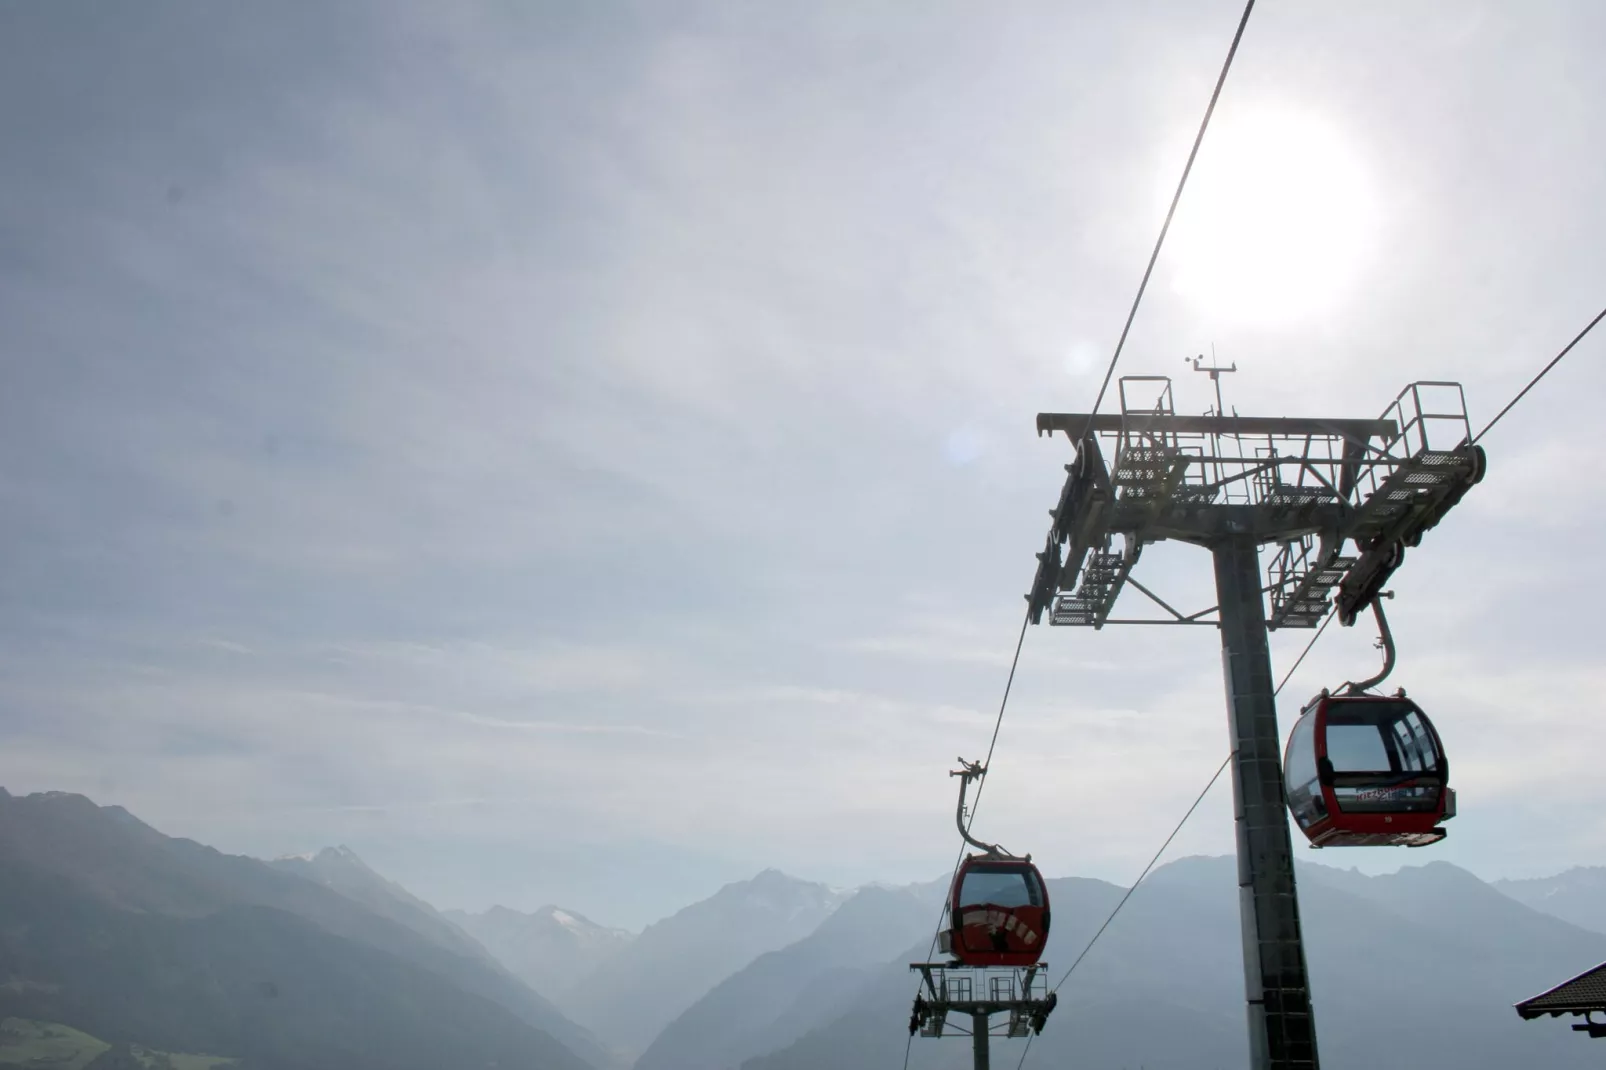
980 992
1311 486
1385 640
967 772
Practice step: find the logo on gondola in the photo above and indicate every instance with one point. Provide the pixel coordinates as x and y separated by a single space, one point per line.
1387 794
996 921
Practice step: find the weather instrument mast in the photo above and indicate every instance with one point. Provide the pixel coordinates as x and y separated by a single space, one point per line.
1306 489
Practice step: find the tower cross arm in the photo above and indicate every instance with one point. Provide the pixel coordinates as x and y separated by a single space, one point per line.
1077 424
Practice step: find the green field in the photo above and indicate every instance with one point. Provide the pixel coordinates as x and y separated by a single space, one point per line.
51 1046
46 1046
166 1060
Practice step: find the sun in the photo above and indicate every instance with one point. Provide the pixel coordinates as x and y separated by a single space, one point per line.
1278 220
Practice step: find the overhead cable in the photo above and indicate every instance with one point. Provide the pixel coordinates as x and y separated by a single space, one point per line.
1568 348
1115 358
1157 854
975 800
1165 227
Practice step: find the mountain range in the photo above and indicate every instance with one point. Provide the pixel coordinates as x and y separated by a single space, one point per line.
1577 895
131 941
777 997
1417 970
675 962
340 870
111 927
628 987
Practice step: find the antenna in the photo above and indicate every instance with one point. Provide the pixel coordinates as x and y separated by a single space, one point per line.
1214 371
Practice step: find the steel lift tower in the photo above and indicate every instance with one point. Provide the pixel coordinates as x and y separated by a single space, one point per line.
1337 503
978 993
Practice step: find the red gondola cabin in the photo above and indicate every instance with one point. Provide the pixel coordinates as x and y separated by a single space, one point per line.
1367 771
998 912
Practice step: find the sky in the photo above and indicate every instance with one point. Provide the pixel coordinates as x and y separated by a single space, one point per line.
586 453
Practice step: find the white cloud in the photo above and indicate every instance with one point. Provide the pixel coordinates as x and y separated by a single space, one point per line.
626 430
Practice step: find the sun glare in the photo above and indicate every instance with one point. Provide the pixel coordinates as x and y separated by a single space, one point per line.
1276 222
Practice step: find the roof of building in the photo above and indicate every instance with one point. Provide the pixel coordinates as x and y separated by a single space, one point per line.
1584 993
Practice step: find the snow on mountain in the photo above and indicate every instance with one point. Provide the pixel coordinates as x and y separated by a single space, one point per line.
550 949
1577 896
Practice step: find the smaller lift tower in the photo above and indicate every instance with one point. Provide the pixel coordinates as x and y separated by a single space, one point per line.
979 993
1337 502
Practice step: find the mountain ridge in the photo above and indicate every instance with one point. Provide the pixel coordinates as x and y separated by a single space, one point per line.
674 961
723 1026
341 870
115 860
1576 895
551 949
770 973
1433 946
171 959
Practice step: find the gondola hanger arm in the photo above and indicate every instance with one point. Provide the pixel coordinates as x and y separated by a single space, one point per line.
967 772
1385 640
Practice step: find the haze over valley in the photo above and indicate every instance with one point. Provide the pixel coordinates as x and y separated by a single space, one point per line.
513 510
142 941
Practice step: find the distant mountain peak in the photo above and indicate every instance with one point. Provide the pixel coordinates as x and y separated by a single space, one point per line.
82 810
342 855
1437 870
1570 873
497 910
62 798
700 945
775 880
550 948
326 855
570 920
1573 895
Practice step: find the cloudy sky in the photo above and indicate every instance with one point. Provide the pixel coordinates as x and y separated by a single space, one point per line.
586 453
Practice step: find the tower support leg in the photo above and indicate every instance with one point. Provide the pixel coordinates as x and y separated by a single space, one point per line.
979 1038
1282 1031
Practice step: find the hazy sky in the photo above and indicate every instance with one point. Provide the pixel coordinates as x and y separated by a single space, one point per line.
585 452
